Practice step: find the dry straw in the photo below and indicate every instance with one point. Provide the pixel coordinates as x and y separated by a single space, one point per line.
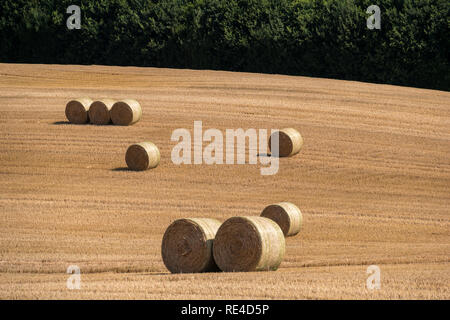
99 112
290 142
142 156
249 244
187 245
77 110
287 215
126 112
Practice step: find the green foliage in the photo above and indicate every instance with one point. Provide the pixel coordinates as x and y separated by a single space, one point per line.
326 38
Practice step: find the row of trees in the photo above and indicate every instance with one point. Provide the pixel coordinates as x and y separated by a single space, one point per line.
327 38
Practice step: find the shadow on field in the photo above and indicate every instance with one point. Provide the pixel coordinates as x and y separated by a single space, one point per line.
267 155
58 123
121 169
263 155
61 123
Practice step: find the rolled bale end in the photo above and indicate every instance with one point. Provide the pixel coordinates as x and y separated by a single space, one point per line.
77 110
249 244
287 215
142 156
187 245
290 142
126 112
99 112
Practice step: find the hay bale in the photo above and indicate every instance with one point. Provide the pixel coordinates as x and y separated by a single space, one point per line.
290 142
77 110
287 215
142 156
249 244
187 245
99 112
126 112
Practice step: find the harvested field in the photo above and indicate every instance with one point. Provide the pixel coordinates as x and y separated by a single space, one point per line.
372 181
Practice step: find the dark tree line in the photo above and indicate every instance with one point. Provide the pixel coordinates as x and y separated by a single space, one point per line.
327 38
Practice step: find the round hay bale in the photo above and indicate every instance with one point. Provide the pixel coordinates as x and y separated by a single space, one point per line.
290 142
287 215
99 112
249 244
187 245
126 112
142 156
77 110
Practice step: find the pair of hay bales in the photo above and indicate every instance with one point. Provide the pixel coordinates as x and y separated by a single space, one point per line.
145 155
103 111
247 243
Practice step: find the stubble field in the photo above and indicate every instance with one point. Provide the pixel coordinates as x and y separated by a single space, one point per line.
372 181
